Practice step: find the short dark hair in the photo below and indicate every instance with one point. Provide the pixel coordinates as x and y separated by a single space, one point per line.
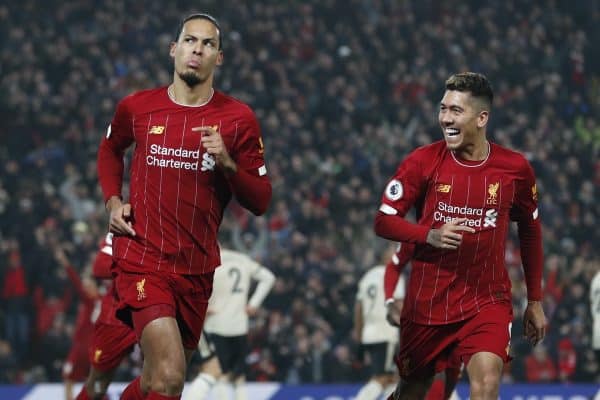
475 83
205 16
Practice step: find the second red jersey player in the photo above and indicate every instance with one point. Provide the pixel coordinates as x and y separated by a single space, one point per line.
111 340
465 191
103 350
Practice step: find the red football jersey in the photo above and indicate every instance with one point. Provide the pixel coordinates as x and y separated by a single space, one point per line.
448 286
177 193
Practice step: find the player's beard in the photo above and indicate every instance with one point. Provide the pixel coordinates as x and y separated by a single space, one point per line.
190 78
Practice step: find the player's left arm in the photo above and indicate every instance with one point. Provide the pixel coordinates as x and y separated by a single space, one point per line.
266 280
244 165
525 212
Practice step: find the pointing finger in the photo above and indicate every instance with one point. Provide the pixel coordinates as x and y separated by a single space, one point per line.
209 130
464 229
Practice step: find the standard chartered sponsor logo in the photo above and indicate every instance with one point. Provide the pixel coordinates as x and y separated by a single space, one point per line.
475 216
208 162
160 156
490 218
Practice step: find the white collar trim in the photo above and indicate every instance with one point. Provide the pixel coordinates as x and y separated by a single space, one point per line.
172 98
474 165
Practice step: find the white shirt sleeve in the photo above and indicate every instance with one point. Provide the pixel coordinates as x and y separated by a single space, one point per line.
265 279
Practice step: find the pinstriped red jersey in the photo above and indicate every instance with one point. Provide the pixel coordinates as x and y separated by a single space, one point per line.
451 285
177 193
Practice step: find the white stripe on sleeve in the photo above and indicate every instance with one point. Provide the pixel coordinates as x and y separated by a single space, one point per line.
388 210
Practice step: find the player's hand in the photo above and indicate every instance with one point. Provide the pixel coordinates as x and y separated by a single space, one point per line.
120 217
449 235
534 322
214 145
251 311
394 310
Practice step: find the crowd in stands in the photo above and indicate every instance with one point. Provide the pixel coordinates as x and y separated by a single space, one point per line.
343 91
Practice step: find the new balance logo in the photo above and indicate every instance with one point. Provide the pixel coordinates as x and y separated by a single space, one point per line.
156 130
443 188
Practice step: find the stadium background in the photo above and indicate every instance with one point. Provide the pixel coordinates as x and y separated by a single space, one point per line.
343 91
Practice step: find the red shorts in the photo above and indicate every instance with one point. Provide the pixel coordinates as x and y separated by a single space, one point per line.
110 344
77 364
148 296
428 349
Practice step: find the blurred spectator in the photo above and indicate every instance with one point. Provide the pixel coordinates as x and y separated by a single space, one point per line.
539 366
15 299
567 360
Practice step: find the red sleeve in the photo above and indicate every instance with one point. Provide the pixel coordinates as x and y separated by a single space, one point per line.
250 184
530 237
399 230
400 195
251 191
110 164
525 212
394 268
390 279
101 267
103 261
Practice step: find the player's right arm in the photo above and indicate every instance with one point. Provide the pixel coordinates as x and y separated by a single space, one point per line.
394 268
391 281
404 189
119 136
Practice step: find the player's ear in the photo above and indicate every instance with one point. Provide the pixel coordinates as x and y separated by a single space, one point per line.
172 48
220 58
482 118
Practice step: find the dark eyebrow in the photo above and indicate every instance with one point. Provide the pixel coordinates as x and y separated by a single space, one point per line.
210 38
452 106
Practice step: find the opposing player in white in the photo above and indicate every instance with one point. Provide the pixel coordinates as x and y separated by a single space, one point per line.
227 320
377 337
210 371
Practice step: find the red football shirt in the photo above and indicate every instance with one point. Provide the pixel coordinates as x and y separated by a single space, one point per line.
448 286
176 191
